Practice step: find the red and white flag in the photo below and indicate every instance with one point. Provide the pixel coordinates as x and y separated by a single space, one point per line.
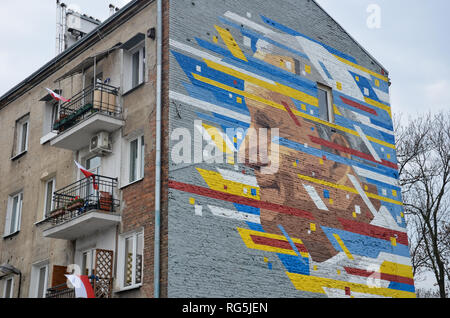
57 96
87 174
83 288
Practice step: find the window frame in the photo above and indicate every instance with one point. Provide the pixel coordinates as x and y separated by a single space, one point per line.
140 159
9 214
330 103
121 262
47 213
21 146
129 73
35 279
5 284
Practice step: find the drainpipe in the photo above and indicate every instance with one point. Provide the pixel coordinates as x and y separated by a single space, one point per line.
156 266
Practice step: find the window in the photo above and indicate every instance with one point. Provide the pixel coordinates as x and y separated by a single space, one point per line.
39 280
134 66
87 262
131 249
22 132
92 165
325 103
8 287
137 159
49 191
13 214
51 113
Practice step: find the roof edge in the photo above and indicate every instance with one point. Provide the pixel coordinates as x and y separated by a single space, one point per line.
6 99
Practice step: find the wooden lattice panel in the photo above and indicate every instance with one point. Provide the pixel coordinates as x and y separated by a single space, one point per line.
104 271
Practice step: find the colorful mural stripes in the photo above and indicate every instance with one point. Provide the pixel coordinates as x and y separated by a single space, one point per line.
269 68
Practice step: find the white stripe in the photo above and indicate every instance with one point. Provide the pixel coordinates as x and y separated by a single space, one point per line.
209 107
315 197
238 177
255 26
384 97
375 176
366 121
368 144
230 214
362 194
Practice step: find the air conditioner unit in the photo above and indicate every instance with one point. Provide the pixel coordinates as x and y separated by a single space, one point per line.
100 144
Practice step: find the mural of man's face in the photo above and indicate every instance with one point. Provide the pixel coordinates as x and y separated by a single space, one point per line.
286 188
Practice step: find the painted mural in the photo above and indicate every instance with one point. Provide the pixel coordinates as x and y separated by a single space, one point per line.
329 220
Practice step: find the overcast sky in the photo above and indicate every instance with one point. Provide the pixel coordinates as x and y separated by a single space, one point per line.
412 43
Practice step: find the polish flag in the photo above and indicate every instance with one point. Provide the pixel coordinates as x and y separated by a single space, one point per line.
87 174
83 288
57 96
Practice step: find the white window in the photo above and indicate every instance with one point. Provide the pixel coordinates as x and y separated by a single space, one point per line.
326 111
134 66
22 133
13 214
87 262
49 191
51 114
136 159
130 265
8 287
39 280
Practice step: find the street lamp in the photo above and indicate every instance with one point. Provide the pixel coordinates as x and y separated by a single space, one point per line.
8 269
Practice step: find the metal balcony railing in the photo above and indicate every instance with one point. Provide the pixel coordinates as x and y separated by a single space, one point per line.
98 98
94 193
61 291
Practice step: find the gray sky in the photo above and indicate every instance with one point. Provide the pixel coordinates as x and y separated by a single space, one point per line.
412 43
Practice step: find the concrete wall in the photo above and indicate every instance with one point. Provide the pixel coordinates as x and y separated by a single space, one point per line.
328 220
41 162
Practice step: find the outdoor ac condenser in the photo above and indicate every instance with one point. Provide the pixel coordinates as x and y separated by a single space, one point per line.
100 144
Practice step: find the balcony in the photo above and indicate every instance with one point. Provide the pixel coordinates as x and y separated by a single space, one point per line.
81 210
93 110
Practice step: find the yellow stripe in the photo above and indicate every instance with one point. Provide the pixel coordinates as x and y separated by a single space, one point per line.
216 182
281 107
361 68
278 88
396 269
317 284
231 44
342 245
217 138
246 237
348 189
378 104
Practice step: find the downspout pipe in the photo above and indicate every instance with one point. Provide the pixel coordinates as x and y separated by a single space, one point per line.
157 241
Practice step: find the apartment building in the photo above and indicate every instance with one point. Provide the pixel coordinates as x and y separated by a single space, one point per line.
55 220
233 149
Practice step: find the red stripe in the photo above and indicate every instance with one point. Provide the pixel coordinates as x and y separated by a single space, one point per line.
240 200
294 118
87 286
277 243
374 231
388 277
359 106
354 152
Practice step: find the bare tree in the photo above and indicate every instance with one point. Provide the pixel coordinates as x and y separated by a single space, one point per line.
423 146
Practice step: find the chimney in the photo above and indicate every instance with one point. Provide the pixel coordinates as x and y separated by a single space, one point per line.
112 10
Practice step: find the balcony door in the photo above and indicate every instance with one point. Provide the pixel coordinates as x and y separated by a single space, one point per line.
93 165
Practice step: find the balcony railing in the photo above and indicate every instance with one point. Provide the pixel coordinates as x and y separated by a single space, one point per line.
97 193
98 98
61 291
